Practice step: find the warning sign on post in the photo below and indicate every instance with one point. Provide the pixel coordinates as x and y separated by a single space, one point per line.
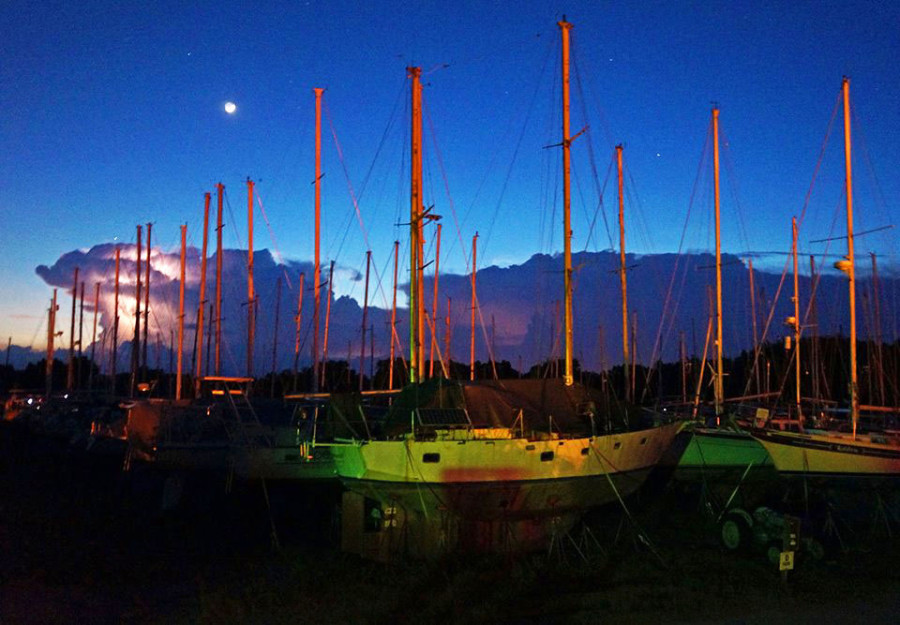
787 561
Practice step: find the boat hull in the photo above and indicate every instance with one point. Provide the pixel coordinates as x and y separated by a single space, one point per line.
832 455
491 479
711 449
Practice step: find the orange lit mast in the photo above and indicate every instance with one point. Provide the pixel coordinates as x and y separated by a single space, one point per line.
622 278
327 322
220 191
474 304
181 315
136 340
847 264
415 226
51 336
316 266
199 370
115 341
393 317
719 381
250 292
143 362
564 28
94 336
795 322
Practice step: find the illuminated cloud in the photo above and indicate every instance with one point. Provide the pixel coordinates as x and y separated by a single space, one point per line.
519 311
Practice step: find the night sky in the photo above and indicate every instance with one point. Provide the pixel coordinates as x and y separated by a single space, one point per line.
114 115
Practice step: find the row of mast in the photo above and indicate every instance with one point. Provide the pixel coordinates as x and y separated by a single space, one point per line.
418 215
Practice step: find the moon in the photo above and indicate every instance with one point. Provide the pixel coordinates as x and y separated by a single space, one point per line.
230 108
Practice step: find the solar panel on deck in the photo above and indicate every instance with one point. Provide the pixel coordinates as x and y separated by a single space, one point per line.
442 417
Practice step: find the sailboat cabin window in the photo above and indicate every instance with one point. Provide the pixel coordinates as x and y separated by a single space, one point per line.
431 457
546 456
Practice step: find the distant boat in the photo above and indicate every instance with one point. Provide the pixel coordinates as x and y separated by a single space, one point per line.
520 458
830 453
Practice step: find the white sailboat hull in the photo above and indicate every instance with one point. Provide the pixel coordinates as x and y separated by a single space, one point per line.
502 478
832 454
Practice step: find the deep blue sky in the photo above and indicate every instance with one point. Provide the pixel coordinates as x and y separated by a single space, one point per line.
113 115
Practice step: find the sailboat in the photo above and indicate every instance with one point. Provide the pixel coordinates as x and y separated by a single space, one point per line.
833 454
721 449
484 461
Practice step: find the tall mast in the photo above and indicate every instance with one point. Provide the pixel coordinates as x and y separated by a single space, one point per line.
199 334
51 336
622 279
251 295
80 336
564 28
393 317
70 372
434 302
327 322
136 340
298 320
275 333
474 303
448 335
848 264
814 323
415 207
753 323
220 191
94 336
181 314
796 321
115 341
365 318
876 300
143 362
316 267
719 382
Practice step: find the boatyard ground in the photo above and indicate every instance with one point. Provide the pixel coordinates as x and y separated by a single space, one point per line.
80 542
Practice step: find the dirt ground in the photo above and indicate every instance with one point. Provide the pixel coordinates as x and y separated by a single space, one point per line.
81 542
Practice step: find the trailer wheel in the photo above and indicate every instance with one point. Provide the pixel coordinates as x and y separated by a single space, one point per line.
734 532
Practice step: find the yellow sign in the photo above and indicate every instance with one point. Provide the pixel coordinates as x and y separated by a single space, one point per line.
786 563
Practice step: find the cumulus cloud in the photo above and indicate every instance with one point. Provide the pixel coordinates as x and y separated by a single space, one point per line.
519 312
